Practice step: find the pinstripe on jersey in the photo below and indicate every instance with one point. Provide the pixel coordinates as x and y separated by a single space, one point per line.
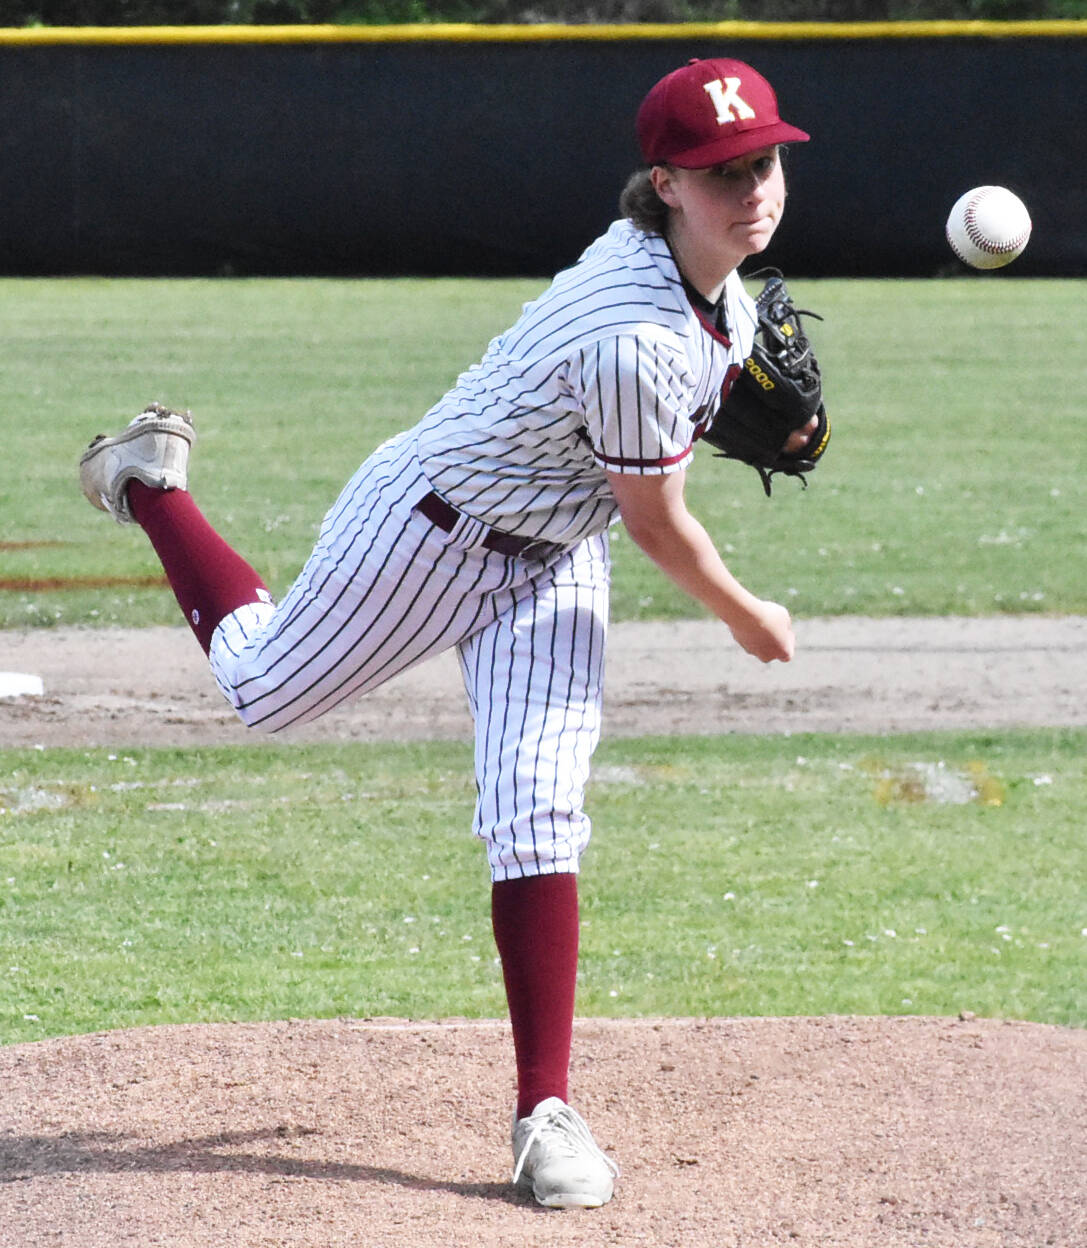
611 368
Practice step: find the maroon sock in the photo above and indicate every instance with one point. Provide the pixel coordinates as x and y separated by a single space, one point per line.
209 579
536 929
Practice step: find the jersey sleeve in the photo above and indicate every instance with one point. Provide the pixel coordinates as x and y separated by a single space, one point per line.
635 393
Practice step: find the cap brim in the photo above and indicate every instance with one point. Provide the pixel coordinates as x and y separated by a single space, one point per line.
738 143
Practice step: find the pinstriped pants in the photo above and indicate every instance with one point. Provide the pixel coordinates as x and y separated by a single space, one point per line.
383 590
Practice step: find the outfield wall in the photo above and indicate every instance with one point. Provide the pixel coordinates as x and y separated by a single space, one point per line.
501 150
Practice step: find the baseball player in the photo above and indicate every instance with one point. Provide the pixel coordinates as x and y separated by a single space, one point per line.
485 528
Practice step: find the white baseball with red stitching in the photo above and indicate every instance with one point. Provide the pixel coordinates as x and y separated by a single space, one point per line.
988 227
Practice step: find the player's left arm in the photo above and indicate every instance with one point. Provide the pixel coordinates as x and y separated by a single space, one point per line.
656 517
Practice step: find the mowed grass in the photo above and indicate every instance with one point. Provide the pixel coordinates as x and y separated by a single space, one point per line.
802 875
805 875
954 481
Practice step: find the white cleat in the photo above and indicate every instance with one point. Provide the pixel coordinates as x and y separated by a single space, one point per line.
557 1159
153 448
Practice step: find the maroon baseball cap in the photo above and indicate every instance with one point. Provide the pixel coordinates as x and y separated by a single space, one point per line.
709 112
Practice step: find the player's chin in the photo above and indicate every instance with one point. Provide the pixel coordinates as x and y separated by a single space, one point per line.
757 236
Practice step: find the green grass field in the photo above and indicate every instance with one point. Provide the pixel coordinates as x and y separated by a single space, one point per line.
740 876
728 875
953 483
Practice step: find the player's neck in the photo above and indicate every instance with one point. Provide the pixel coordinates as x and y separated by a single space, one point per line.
706 269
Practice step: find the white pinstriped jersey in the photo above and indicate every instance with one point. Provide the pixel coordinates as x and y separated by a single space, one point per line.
612 368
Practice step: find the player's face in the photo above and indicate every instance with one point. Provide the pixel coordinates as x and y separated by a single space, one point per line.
732 209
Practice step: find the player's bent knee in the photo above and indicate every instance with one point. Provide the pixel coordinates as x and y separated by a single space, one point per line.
231 657
262 725
253 708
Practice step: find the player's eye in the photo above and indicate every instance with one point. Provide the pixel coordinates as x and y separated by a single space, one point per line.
738 170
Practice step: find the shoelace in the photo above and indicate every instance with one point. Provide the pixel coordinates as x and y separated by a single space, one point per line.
568 1124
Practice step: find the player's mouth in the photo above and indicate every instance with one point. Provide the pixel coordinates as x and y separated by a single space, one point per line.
754 223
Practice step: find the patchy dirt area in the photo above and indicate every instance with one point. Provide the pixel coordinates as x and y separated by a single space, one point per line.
732 1133
152 686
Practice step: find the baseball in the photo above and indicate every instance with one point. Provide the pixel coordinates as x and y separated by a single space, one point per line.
988 227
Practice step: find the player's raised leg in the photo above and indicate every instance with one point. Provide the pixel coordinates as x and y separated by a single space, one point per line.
383 589
140 476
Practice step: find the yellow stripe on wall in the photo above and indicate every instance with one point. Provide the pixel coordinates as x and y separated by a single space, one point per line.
543 32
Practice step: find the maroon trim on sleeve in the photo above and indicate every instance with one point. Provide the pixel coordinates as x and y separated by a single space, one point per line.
608 460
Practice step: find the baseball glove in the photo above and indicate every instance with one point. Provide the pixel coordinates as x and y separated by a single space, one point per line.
779 390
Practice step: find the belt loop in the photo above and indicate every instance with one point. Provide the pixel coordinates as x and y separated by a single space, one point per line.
468 531
437 511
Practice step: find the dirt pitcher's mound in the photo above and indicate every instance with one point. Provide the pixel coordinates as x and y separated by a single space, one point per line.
732 1133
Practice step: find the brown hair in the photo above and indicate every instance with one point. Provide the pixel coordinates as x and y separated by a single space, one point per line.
641 203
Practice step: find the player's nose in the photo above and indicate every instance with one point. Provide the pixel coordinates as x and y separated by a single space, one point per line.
756 182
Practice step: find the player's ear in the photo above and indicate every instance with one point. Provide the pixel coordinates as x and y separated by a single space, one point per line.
663 178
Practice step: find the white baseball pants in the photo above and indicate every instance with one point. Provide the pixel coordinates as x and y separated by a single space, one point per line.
385 589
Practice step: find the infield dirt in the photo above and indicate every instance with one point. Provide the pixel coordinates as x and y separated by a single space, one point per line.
153 687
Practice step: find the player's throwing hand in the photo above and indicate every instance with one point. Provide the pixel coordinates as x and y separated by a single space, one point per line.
767 633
